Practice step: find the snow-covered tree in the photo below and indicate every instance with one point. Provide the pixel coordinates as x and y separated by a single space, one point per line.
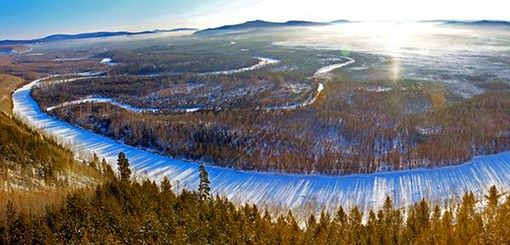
203 188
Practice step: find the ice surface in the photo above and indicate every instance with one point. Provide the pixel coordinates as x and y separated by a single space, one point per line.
263 61
322 73
459 56
108 62
70 59
325 72
102 100
288 190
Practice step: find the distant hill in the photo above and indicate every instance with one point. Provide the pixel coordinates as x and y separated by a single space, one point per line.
58 37
339 21
257 24
479 23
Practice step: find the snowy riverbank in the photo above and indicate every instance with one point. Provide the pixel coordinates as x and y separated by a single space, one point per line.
102 100
322 73
325 72
293 191
263 61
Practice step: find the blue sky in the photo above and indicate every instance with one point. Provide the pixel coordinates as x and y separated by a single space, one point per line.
36 18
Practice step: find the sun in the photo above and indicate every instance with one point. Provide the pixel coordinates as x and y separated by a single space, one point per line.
397 37
400 38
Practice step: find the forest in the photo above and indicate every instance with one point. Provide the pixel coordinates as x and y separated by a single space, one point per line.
352 127
406 101
154 63
34 169
213 92
125 212
28 158
359 123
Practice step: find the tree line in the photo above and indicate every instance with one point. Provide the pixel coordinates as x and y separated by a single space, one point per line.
126 212
330 137
27 153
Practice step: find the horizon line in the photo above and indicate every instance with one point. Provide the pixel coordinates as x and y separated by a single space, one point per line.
198 29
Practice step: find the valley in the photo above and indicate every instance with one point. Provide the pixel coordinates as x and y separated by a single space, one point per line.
254 122
305 110
313 130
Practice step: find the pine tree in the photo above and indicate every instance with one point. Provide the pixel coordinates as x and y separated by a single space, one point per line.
203 188
493 197
165 185
311 223
356 232
340 223
468 225
123 167
94 163
107 169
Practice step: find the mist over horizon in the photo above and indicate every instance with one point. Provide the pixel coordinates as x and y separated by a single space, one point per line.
29 19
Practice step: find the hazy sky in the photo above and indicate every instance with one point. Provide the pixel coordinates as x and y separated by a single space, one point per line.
37 18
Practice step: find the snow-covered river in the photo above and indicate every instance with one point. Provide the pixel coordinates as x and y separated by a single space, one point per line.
293 191
102 100
326 72
322 73
263 61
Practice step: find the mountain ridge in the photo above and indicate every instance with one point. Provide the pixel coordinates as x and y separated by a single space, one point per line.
258 24
478 23
58 37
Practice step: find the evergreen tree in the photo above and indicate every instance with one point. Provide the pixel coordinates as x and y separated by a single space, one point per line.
123 167
468 221
107 169
133 212
310 224
165 185
94 163
493 197
203 188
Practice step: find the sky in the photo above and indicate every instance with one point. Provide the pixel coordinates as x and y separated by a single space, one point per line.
23 19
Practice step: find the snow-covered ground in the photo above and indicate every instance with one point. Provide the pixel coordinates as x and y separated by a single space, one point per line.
322 73
26 51
263 61
307 102
119 104
325 72
189 109
292 191
70 59
102 100
14 51
474 54
108 62
377 89
68 80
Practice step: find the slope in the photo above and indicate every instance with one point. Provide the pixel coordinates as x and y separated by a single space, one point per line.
293 191
34 169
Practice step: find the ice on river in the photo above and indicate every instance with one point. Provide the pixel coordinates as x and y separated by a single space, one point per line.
288 190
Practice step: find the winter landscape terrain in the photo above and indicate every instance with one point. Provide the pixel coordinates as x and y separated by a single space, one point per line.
290 191
400 75
254 122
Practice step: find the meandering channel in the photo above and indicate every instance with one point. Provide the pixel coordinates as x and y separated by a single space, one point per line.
263 61
102 100
322 73
288 190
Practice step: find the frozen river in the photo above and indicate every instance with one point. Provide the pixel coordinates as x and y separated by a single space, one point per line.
292 191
